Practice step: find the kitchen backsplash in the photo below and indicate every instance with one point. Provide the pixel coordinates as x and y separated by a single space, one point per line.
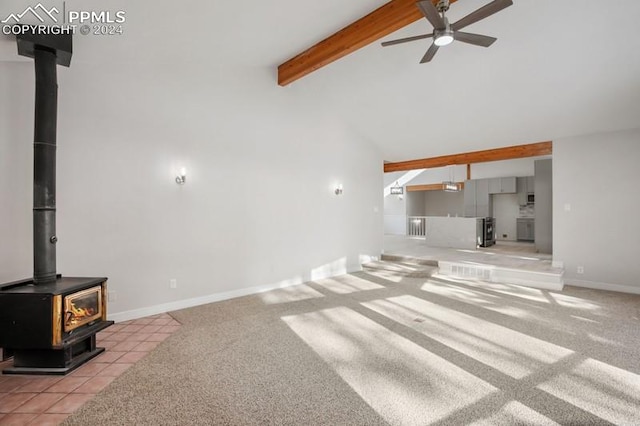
528 210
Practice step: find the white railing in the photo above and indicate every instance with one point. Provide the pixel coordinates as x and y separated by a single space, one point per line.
416 226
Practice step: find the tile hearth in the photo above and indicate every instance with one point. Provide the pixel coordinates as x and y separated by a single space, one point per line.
49 400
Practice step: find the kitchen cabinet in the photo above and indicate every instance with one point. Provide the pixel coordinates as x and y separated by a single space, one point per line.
470 198
504 185
544 205
477 202
525 186
521 185
483 201
525 229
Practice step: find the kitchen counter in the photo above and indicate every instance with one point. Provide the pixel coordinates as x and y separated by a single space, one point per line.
452 232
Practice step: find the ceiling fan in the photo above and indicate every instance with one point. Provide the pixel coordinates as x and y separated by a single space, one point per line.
445 33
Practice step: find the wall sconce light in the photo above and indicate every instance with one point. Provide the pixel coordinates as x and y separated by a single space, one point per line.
182 176
339 189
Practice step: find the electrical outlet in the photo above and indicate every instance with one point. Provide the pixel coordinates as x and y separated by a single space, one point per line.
173 283
580 269
112 296
504 235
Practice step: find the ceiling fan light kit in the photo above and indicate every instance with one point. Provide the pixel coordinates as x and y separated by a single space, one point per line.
443 39
444 33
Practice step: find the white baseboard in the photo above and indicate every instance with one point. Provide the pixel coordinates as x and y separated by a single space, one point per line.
211 298
603 286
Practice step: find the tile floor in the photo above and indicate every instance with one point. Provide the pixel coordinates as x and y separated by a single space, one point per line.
48 400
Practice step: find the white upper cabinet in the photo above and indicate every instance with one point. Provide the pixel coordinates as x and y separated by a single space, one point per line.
505 185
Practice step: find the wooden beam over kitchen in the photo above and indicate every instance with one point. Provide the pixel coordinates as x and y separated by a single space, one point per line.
430 187
497 154
381 22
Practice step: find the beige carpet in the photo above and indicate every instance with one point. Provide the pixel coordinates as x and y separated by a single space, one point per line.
381 347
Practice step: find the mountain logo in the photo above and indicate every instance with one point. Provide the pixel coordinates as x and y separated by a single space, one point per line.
38 11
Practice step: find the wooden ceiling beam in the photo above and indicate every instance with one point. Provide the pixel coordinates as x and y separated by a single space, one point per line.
381 22
497 154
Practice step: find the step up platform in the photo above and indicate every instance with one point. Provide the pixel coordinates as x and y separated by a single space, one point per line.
502 275
551 279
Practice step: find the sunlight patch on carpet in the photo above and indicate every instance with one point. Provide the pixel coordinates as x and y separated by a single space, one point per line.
290 294
584 319
509 351
493 302
346 284
399 379
574 302
462 294
526 293
533 294
609 392
515 413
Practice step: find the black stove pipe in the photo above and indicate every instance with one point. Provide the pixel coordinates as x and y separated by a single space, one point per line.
44 166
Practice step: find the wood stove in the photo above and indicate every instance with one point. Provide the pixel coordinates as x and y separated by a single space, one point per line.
51 328
83 307
49 323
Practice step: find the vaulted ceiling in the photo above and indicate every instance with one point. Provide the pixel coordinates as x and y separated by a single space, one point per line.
559 67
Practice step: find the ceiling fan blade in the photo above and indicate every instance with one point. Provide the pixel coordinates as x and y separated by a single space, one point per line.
477 39
431 13
486 10
406 40
430 54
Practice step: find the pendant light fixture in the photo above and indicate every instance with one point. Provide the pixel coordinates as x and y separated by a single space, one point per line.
451 185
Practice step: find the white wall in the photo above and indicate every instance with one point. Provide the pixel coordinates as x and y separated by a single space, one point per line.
596 177
258 208
395 214
395 207
16 163
416 203
506 168
442 203
391 178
